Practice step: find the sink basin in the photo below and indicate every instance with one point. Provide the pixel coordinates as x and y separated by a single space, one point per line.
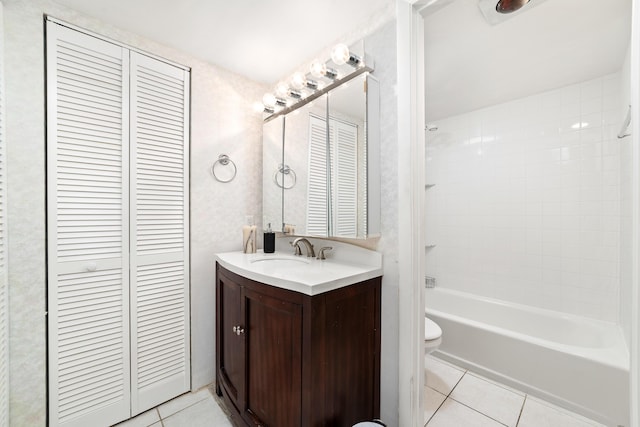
347 265
281 261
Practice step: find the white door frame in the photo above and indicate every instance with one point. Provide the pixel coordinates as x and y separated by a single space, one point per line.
411 238
635 227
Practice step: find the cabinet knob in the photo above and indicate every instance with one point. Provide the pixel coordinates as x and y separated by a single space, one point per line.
238 330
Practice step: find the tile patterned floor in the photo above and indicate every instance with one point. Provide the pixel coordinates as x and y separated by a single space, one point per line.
199 409
456 397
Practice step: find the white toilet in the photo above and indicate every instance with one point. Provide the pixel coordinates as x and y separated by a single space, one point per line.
432 335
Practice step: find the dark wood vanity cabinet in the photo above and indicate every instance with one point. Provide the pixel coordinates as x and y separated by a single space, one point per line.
286 359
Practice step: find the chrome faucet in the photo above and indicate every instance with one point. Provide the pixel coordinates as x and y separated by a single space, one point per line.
298 251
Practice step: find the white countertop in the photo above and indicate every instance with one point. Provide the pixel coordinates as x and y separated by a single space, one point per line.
345 267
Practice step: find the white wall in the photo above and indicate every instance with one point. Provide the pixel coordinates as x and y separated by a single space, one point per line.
381 45
222 121
526 208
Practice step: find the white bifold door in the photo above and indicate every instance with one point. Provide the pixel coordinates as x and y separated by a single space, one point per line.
117 227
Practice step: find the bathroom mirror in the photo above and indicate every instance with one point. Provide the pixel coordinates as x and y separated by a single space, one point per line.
272 145
327 183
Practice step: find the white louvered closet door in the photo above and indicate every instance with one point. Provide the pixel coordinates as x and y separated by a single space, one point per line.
87 214
317 212
344 149
159 232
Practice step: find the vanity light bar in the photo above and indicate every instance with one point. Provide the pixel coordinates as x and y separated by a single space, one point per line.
287 99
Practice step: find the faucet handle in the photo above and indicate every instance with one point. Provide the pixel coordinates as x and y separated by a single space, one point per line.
321 252
296 248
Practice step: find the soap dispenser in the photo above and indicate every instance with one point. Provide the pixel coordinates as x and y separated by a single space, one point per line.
269 240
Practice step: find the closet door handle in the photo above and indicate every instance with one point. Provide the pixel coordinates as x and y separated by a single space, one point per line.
238 330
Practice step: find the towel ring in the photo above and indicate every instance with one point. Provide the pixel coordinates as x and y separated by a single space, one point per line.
224 160
284 170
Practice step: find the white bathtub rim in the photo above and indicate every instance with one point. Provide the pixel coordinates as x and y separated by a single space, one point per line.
531 308
615 355
523 387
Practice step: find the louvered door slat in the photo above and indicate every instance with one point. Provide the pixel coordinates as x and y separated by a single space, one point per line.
344 141
317 220
159 232
87 192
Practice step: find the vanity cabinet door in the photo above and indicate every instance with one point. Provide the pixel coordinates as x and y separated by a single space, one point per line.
231 346
299 360
273 360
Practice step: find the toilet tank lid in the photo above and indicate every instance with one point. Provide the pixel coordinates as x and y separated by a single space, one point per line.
432 330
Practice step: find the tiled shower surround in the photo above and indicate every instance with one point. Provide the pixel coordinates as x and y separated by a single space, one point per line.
526 202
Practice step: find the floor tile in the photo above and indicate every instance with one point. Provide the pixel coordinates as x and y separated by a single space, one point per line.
492 400
143 420
441 376
433 400
454 414
205 413
182 402
542 414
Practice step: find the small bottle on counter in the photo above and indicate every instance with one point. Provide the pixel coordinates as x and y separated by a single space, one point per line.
249 236
269 243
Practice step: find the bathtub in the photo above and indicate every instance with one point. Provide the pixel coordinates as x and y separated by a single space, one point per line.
575 362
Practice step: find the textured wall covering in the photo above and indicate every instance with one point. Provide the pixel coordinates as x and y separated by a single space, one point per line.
222 121
381 44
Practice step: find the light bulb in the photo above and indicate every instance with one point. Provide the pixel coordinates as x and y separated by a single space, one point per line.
269 100
340 54
282 90
298 81
318 69
257 107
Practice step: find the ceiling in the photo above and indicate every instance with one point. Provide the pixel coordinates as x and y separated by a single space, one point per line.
264 40
471 64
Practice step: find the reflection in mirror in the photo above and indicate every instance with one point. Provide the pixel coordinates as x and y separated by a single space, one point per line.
321 164
305 204
272 160
348 159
